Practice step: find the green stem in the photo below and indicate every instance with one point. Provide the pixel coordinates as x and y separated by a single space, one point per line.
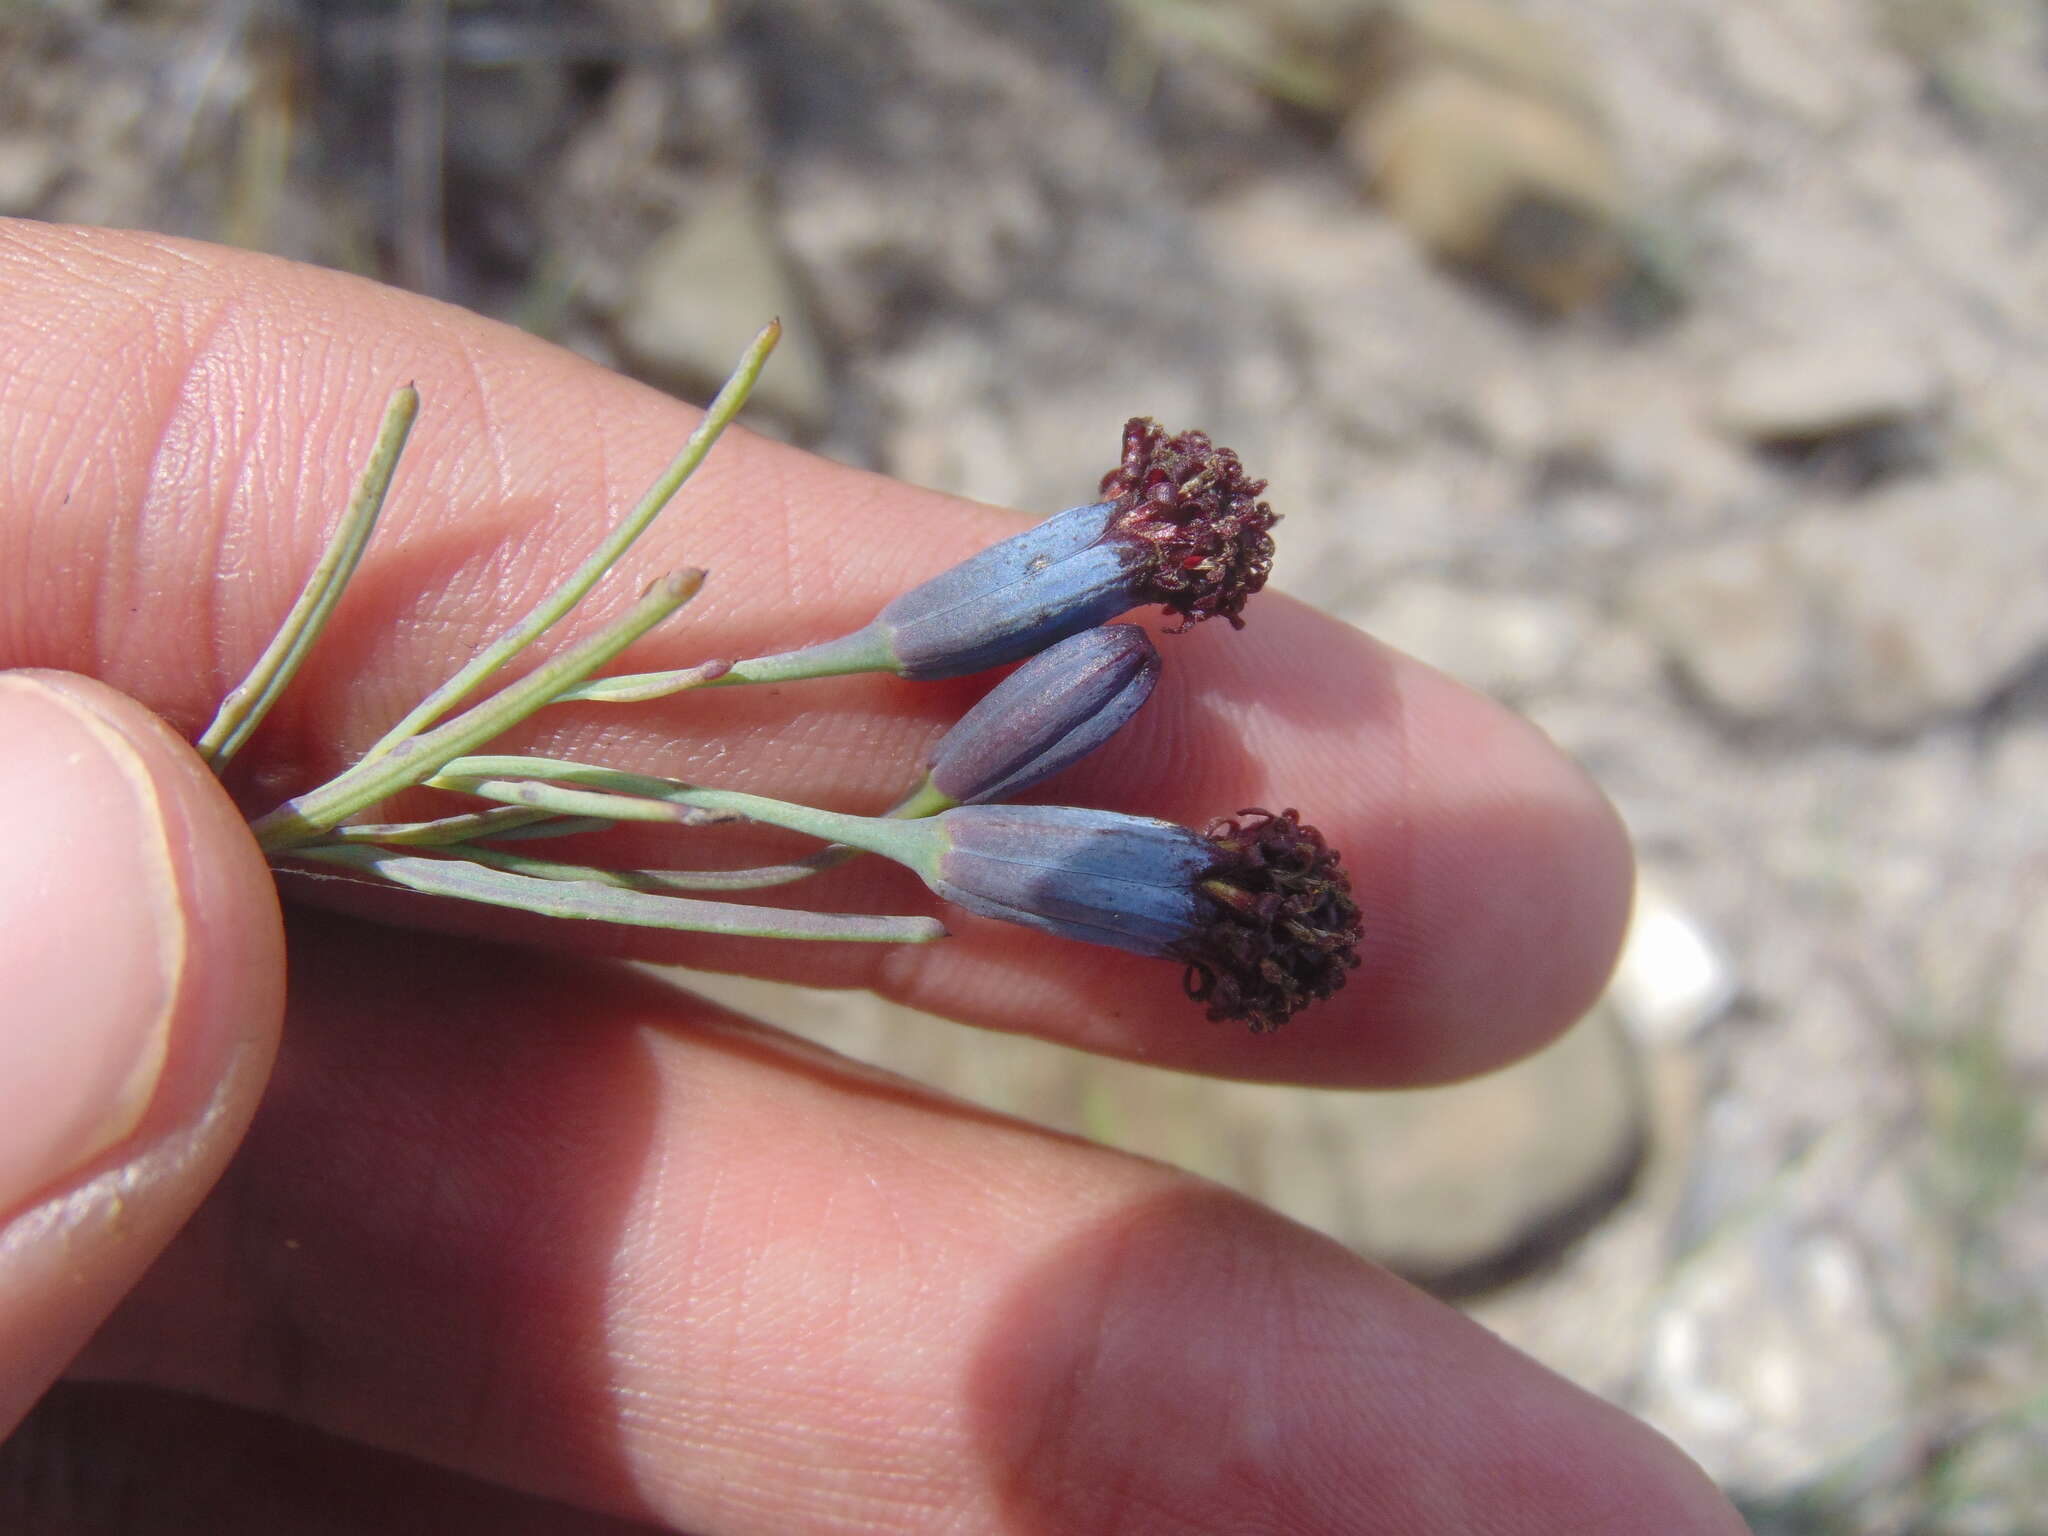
601 903
925 800
865 650
916 844
639 687
554 800
304 818
557 604
250 700
498 822
557 770
558 807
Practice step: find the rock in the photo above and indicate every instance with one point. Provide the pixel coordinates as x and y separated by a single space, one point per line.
1773 1356
1809 391
1487 39
1386 348
1780 66
701 291
932 167
675 22
1519 189
29 167
1733 618
1456 1187
959 422
1512 414
2022 998
1329 55
1498 643
1479 130
1674 978
1461 1187
1919 604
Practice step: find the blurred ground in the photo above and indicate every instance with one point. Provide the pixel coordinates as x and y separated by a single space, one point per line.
1673 372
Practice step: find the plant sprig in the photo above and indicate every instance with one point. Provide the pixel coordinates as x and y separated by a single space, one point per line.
1255 908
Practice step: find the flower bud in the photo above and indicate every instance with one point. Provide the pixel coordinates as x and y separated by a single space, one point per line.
1181 526
1098 876
1258 910
1013 599
1050 713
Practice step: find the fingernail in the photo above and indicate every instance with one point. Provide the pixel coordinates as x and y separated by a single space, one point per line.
92 940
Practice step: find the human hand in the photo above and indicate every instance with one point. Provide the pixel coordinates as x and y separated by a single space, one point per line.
589 1253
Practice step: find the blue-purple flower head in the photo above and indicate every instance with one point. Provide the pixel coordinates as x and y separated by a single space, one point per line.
1257 907
1047 715
1180 524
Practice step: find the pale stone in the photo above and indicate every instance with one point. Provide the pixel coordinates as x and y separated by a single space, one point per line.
1513 415
28 168
2020 1002
1734 619
1930 602
1500 643
701 291
1772 1356
1814 389
1454 1185
1921 603
1501 42
1520 189
1674 978
1771 58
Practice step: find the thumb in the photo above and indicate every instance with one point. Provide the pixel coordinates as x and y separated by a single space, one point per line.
141 985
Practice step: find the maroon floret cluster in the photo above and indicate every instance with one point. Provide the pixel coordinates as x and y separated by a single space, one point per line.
1194 516
1283 930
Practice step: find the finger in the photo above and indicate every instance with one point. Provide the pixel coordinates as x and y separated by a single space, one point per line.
182 423
97 1460
144 971
554 1225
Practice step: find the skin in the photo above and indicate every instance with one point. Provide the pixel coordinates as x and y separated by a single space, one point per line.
512 1237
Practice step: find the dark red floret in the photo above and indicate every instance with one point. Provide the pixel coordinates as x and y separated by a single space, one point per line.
1282 930
1203 536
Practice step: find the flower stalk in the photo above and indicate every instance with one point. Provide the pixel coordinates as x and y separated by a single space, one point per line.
1258 910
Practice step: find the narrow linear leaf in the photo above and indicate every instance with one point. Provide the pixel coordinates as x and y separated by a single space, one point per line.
251 699
525 780
610 904
499 821
759 878
550 611
554 800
